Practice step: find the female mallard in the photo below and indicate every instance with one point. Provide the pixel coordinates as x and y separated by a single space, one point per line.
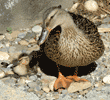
78 43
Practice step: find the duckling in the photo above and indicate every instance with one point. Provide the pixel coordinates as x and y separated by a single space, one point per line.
78 43
22 67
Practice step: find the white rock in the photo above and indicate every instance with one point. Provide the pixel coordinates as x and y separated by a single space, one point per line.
1 37
4 55
51 85
37 29
106 79
2 74
46 89
91 5
23 42
73 8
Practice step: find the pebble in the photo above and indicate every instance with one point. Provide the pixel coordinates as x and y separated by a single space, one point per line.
106 79
37 29
2 74
17 40
32 41
33 78
21 35
23 42
8 36
74 86
51 85
32 84
4 56
37 88
46 89
1 37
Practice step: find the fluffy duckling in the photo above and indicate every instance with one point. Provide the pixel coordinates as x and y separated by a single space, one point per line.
78 43
21 68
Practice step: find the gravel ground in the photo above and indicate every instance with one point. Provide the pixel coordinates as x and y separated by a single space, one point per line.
37 86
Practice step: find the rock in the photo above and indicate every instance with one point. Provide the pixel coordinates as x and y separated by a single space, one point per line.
32 40
38 88
106 79
46 89
17 40
34 48
14 34
2 74
33 78
23 42
9 72
8 36
51 85
21 35
75 86
4 55
22 80
8 44
37 29
1 37
91 5
2 45
74 7
10 81
32 84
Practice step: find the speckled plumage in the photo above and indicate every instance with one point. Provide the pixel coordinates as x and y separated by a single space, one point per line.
78 43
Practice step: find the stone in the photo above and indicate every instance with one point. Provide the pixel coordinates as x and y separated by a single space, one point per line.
4 56
51 85
1 37
32 40
17 40
32 84
22 80
23 42
21 35
2 74
106 79
37 29
75 86
34 48
46 89
8 36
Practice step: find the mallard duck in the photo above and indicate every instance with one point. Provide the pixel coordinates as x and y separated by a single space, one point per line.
78 43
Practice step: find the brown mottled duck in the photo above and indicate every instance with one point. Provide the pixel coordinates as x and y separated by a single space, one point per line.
78 43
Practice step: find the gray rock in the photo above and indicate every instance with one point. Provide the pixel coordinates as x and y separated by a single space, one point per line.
17 40
32 84
37 88
21 35
34 77
74 87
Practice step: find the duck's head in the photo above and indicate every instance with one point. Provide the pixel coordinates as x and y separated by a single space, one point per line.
51 18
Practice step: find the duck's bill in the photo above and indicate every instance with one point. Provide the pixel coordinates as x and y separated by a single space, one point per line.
43 36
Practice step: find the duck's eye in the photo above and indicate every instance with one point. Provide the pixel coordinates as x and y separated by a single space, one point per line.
51 17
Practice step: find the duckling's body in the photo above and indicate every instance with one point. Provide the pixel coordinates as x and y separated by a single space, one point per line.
78 43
